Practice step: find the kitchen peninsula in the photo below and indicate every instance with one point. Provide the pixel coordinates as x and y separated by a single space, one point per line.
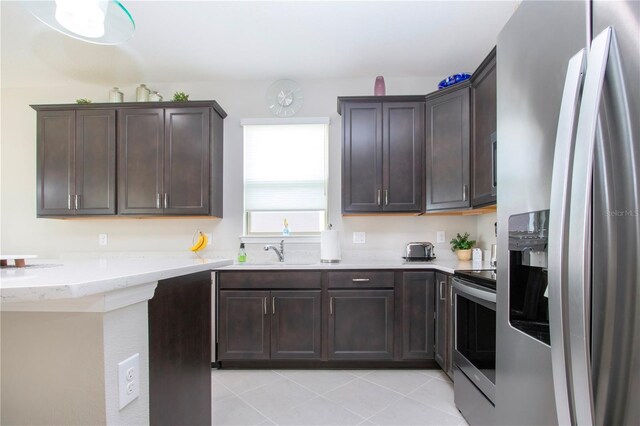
67 324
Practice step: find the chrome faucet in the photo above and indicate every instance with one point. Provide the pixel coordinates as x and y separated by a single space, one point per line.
279 251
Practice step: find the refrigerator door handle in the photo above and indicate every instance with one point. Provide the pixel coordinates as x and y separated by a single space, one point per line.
558 231
579 257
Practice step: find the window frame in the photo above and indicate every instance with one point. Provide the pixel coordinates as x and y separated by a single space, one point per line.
246 215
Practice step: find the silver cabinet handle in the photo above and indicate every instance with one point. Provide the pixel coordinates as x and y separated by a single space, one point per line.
451 295
559 228
158 201
360 280
442 296
331 306
494 165
69 202
386 197
77 201
273 305
465 189
264 305
166 200
378 198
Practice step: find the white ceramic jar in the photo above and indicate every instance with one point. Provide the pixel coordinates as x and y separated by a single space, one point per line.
115 95
155 97
142 93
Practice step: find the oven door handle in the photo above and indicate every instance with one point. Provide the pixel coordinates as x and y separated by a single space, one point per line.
464 289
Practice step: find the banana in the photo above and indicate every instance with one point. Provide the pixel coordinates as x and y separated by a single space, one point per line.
201 243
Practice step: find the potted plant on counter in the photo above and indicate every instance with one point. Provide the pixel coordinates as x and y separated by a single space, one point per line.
462 246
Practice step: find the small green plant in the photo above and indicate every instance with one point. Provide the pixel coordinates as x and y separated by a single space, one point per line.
180 97
462 242
83 101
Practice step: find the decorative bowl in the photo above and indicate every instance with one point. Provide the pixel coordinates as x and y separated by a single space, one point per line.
453 79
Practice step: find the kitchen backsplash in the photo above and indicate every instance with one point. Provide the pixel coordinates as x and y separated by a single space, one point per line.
22 232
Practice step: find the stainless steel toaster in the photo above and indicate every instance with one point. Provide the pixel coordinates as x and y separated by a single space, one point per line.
420 251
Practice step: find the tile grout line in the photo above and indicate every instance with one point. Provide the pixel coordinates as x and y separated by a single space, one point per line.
319 395
434 405
322 395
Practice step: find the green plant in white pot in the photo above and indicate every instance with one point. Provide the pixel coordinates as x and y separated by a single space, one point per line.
462 246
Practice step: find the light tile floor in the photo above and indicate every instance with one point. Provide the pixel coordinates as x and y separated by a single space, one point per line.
333 397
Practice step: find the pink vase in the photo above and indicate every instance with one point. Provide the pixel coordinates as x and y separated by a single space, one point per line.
379 88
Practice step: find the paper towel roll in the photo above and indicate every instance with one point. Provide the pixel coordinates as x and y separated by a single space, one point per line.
329 246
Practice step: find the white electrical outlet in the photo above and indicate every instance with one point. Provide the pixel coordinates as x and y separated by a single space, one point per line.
128 380
440 237
102 239
209 237
359 237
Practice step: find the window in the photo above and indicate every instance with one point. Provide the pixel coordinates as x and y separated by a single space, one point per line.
285 176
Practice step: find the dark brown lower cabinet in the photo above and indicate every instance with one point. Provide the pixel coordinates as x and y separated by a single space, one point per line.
244 330
444 323
295 324
180 351
418 315
360 324
260 325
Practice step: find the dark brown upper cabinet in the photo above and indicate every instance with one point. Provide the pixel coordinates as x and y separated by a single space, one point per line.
169 159
483 146
447 148
76 162
382 153
164 161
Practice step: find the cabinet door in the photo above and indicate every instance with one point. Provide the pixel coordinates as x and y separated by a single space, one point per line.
244 325
295 324
362 157
360 324
140 161
403 138
484 131
186 161
448 150
95 163
417 315
55 162
443 317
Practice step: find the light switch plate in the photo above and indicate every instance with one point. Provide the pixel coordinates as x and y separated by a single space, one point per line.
359 237
128 380
440 237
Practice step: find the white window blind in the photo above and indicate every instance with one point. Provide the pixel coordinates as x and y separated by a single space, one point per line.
285 167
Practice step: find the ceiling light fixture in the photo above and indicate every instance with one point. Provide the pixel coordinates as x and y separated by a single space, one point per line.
93 21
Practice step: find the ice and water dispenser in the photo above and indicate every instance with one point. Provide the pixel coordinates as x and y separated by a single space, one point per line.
528 298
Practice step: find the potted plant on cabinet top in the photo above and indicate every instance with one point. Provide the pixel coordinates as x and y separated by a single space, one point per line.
462 246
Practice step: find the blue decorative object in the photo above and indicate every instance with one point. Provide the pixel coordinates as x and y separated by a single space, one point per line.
453 79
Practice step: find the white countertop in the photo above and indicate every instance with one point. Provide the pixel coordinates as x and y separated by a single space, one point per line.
54 279
448 266
50 279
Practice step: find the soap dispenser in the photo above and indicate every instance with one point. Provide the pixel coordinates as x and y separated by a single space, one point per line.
286 230
242 254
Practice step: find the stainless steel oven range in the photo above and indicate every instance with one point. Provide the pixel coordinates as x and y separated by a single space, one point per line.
474 354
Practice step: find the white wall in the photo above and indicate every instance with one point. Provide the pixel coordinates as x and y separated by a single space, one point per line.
22 232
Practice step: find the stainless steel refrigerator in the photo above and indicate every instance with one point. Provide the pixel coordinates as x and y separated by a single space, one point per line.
568 295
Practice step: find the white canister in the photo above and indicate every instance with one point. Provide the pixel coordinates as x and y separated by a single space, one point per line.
142 93
115 95
476 255
155 97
